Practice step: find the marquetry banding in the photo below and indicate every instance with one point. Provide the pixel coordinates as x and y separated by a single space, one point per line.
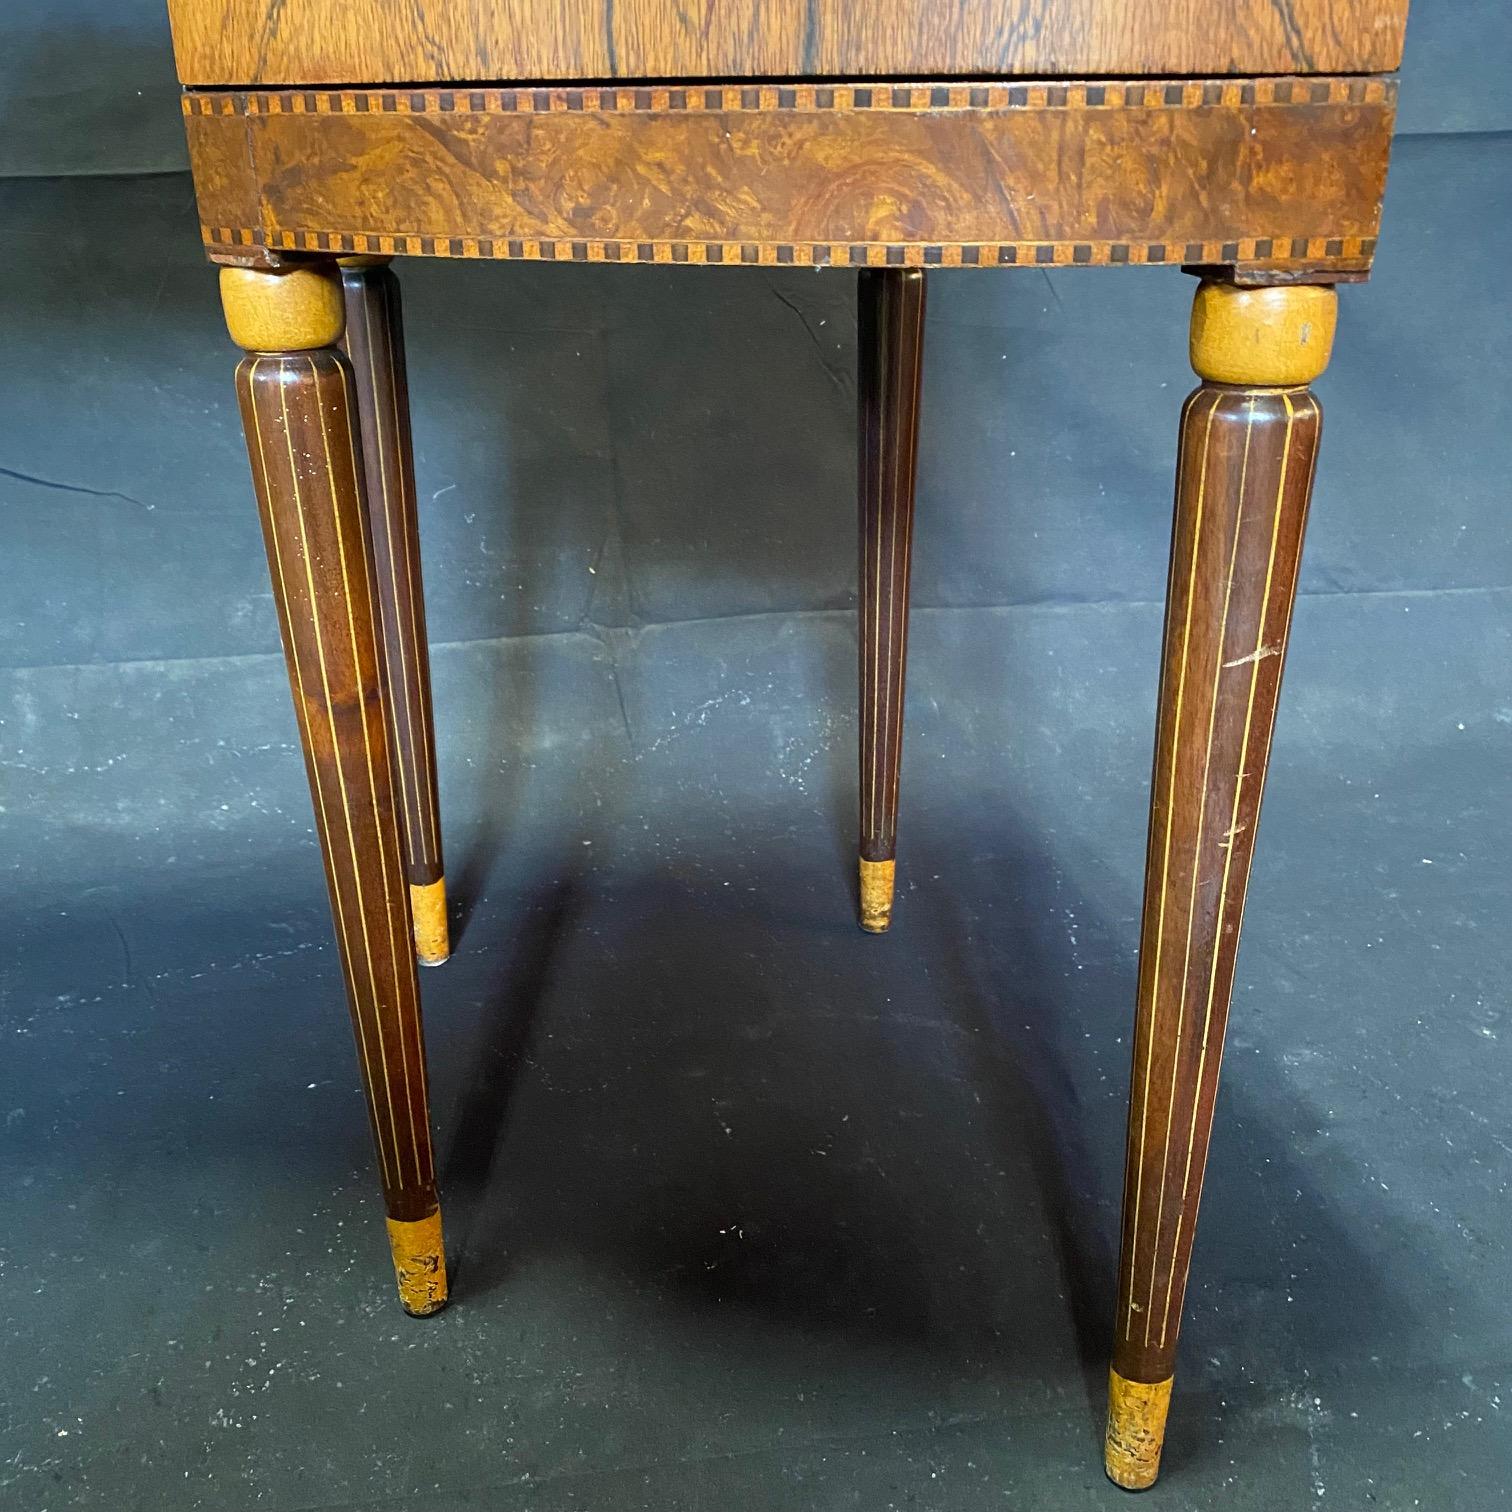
799 98
889 174
1348 253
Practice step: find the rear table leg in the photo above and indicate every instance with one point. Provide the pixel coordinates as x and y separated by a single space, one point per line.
374 341
892 359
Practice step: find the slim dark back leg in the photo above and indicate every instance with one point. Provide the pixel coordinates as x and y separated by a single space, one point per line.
299 412
374 342
891 329
1249 441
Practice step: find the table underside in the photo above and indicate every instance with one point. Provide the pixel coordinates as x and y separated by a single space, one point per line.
1275 178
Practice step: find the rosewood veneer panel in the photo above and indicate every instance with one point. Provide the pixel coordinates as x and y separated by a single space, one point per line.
285 42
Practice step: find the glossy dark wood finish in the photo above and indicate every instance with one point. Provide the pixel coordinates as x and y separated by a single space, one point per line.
1282 175
1245 477
374 343
891 329
298 411
338 41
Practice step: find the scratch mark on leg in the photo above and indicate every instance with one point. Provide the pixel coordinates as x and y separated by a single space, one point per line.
1254 656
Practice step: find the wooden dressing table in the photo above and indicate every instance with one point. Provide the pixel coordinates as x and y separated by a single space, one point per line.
1245 140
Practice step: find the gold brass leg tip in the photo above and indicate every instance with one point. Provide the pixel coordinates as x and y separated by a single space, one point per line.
428 906
419 1264
876 895
1136 1430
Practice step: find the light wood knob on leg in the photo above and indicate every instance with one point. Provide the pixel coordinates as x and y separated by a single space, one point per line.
296 310
1263 338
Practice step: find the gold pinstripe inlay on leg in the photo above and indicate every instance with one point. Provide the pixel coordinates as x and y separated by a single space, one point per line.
414 599
338 908
1229 845
898 652
427 838
886 487
390 895
1168 642
1315 415
356 869
399 709
1191 922
879 482
1189 587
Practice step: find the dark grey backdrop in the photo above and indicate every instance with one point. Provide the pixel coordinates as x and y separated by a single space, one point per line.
749 1210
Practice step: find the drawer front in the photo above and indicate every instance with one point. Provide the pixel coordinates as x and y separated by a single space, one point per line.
284 42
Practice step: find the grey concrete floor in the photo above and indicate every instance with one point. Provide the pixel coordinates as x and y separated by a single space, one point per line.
747 1209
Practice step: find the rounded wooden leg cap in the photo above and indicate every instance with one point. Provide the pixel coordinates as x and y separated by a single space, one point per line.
428 905
1136 1430
419 1264
876 895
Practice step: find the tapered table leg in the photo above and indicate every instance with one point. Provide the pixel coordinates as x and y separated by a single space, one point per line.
892 358
374 342
296 396
1249 439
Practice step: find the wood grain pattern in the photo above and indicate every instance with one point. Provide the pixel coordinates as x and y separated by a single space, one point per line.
374 343
1273 173
277 42
297 410
1245 478
891 329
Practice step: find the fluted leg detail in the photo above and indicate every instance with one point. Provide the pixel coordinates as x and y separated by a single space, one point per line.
296 395
374 341
1249 439
892 353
